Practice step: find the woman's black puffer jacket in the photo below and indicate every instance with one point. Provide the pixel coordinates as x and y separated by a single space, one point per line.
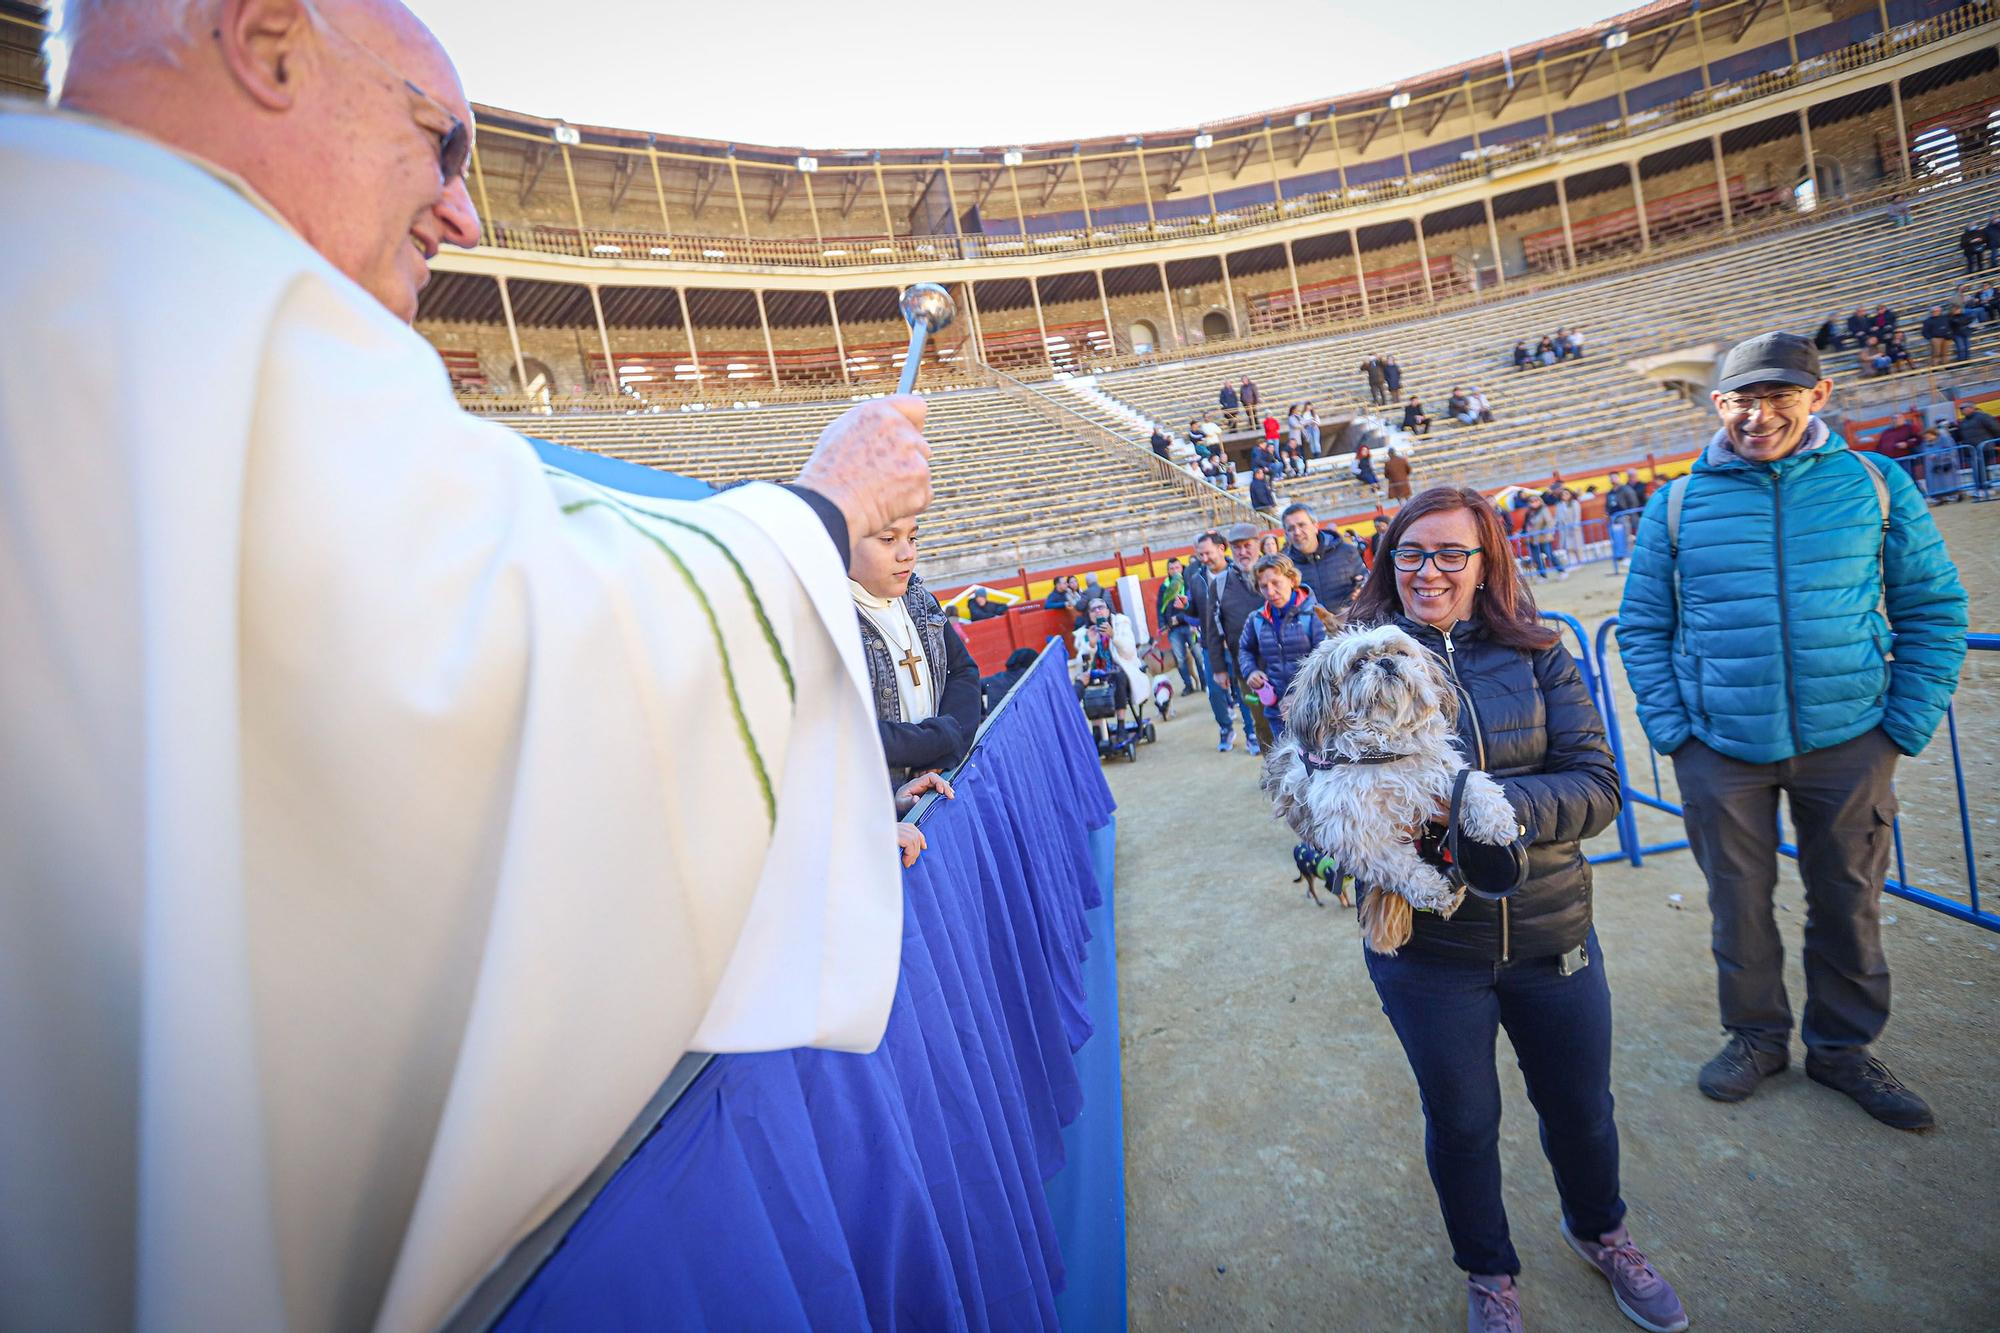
1533 727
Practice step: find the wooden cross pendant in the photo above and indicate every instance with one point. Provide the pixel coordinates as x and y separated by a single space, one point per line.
910 663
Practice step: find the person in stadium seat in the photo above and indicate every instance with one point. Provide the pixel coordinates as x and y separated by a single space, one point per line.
1227 398
1859 328
1414 419
340 735
1523 358
1937 330
1883 323
1873 358
1175 614
1459 407
1229 598
1162 443
1378 383
1972 244
1760 663
1396 472
1261 498
923 680
1959 323
1328 566
1990 233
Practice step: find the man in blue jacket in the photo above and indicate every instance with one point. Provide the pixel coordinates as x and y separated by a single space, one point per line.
1762 664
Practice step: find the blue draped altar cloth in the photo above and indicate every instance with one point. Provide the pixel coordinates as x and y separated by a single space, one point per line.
923 1186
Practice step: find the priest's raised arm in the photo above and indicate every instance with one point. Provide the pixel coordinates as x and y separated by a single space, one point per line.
382 813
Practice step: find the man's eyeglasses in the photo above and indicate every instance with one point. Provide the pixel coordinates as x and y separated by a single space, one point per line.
454 142
1742 404
1446 559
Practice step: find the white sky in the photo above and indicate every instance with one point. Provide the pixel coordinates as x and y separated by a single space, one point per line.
895 74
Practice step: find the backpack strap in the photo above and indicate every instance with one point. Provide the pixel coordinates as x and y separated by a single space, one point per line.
1874 470
1677 491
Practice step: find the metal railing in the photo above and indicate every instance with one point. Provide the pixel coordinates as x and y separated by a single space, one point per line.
1633 849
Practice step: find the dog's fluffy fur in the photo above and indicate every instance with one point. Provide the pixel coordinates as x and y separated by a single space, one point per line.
1371 691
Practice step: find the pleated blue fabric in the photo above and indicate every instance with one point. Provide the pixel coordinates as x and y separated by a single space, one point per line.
903 1189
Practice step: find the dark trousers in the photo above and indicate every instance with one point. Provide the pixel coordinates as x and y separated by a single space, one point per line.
1842 809
1447 1012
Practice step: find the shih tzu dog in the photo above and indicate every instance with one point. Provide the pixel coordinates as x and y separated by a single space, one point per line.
1369 758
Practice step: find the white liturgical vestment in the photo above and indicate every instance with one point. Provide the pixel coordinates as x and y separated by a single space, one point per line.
381 813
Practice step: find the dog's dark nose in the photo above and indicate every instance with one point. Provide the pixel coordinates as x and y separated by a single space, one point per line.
1388 664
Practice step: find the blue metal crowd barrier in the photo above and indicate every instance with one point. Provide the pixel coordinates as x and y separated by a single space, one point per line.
1947 470
1597 677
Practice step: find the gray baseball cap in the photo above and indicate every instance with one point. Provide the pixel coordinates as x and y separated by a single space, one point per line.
1771 358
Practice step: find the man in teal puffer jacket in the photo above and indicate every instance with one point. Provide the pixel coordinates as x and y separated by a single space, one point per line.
1771 668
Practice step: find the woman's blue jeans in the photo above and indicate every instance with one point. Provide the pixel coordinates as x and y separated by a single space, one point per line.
1447 1012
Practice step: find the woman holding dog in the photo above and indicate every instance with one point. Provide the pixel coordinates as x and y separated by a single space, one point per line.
1530 962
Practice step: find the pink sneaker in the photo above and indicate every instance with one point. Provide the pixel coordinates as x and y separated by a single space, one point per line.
1641 1293
1492 1305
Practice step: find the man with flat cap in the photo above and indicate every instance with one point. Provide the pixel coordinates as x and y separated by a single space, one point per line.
1791 624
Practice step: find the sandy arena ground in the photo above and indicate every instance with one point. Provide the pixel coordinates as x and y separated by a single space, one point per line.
1274 1144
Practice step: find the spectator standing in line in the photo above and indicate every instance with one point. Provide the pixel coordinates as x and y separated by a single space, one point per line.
1900 438
1063 596
1175 615
1763 672
1261 498
996 687
1309 424
1414 419
1531 963
1227 398
1972 244
1278 636
1392 377
1396 471
1569 524
1250 398
1229 596
1268 543
1330 568
1378 383
1937 329
1539 526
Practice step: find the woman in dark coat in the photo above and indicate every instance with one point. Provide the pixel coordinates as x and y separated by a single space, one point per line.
1530 963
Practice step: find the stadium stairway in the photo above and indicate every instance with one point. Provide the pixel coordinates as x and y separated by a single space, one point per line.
1597 409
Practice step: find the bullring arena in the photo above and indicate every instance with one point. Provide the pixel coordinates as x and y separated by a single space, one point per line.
1661 184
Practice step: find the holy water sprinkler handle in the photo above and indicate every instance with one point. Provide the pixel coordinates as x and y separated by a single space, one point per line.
928 308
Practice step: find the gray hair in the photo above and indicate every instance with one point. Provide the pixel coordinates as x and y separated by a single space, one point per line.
119 30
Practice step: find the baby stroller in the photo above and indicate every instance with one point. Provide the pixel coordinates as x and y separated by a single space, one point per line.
1117 720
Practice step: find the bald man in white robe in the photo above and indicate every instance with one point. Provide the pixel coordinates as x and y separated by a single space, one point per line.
382 814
